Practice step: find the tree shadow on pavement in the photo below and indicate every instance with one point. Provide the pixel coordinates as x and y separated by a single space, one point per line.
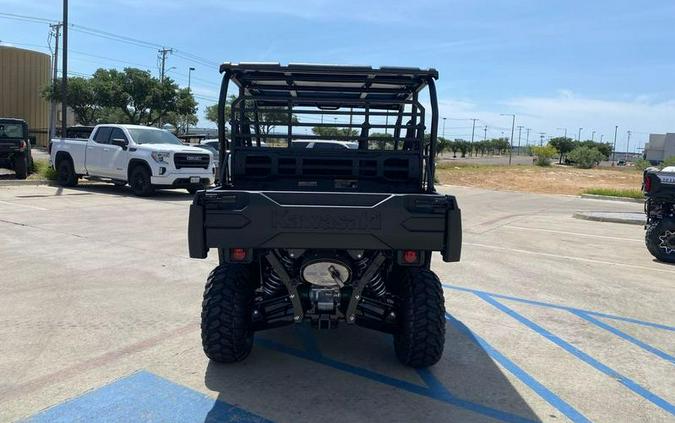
351 374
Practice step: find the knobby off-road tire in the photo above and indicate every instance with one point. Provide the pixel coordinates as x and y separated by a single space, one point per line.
21 166
654 239
139 181
421 335
226 314
65 173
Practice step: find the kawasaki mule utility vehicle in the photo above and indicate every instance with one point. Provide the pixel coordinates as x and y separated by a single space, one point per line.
659 190
339 232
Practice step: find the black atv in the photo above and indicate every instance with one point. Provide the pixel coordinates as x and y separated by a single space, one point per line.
340 232
659 189
15 147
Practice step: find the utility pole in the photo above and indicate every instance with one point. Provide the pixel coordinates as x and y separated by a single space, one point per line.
187 120
473 129
520 133
162 57
616 128
527 137
601 137
64 72
444 127
579 136
593 136
56 30
513 127
627 146
541 138
485 133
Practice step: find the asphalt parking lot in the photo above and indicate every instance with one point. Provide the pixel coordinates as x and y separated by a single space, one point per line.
550 319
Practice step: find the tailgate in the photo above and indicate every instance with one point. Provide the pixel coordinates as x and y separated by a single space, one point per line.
266 220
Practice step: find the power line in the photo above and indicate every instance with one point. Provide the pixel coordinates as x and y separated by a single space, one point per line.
26 18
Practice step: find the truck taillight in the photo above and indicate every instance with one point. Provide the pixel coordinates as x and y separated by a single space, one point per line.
237 254
22 145
647 183
410 256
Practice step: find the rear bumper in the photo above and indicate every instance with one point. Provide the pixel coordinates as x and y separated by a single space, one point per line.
268 220
180 180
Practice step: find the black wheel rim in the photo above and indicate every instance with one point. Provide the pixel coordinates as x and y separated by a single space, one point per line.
140 182
667 242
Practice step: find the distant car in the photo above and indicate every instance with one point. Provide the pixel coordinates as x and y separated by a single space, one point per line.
211 142
15 147
327 145
621 163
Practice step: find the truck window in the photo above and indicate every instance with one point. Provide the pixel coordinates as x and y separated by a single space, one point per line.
103 135
117 133
11 130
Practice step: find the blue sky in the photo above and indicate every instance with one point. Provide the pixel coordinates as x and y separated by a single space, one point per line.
556 64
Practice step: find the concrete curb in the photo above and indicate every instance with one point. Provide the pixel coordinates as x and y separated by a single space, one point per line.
612 217
24 182
610 198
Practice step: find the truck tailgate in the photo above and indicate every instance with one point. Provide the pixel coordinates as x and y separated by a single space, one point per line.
266 220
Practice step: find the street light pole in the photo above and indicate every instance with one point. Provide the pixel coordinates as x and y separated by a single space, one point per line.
627 146
473 129
64 72
616 128
485 133
190 77
513 127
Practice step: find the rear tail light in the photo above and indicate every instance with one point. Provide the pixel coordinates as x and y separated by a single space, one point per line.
647 183
238 254
22 145
410 257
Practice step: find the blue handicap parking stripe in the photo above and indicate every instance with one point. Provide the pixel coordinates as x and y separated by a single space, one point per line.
630 384
547 395
562 307
662 354
144 397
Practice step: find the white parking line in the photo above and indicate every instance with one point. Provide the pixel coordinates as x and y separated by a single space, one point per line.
558 256
23 205
573 233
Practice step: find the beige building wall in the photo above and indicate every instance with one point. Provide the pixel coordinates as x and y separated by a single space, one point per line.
23 75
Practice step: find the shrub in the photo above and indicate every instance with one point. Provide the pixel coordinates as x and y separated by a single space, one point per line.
544 154
585 157
642 164
45 171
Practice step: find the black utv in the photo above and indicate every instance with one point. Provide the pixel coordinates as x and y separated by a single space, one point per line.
659 189
15 147
340 232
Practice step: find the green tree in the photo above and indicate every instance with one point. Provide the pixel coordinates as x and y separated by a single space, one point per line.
129 96
585 157
563 145
81 98
544 154
268 118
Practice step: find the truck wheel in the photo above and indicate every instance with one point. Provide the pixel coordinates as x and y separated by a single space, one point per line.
66 176
226 310
420 337
660 240
21 166
139 180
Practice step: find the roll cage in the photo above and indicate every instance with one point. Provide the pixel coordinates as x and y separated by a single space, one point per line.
282 106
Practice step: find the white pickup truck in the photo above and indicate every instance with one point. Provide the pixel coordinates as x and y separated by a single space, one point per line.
146 158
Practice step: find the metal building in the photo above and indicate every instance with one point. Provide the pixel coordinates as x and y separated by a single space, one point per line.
23 75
